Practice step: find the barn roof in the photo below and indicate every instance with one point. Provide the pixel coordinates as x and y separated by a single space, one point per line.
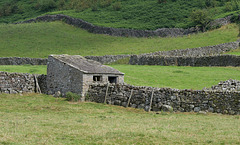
86 65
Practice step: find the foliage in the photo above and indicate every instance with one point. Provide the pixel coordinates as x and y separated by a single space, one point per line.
232 5
115 13
201 18
42 39
73 97
45 5
117 6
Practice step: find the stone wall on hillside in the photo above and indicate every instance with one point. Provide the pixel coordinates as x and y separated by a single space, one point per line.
12 83
229 85
166 99
22 61
218 60
199 51
107 58
162 32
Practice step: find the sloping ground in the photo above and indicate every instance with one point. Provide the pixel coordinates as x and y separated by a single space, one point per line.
41 39
42 119
145 15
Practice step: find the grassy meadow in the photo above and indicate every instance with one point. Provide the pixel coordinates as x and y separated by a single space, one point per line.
32 69
158 76
234 52
41 39
42 119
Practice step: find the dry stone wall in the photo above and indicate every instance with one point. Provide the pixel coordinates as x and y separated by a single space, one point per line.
200 51
107 58
219 60
229 85
22 61
166 99
162 32
12 83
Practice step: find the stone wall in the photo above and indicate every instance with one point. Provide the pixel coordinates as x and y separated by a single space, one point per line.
200 51
63 77
107 58
22 61
12 83
162 32
167 99
219 60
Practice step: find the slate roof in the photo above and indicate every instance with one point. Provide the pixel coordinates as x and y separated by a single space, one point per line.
86 65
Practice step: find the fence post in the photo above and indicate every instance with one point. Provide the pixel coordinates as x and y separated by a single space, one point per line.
151 101
129 98
105 100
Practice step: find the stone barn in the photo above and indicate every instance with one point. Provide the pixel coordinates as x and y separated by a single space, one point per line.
75 73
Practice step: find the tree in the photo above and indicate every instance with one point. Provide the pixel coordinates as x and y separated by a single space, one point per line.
201 18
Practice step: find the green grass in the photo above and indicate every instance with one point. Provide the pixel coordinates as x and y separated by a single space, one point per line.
33 69
234 52
42 39
177 77
42 119
159 76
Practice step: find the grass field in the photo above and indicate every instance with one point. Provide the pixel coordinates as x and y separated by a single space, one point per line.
42 119
234 52
41 39
159 76
33 69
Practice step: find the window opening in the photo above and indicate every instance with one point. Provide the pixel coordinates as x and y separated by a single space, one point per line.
112 80
97 78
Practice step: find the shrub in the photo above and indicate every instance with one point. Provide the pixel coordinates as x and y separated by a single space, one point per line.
212 3
45 5
162 1
73 97
105 3
201 18
61 4
94 5
117 6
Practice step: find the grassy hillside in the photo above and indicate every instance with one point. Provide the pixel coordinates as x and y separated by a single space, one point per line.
159 76
42 39
42 119
135 14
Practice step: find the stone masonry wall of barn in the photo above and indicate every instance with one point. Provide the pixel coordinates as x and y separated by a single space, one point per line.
166 99
62 77
88 80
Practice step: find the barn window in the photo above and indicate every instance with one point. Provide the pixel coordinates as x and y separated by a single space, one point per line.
97 78
112 80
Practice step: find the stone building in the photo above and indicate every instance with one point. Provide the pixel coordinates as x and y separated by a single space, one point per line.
75 73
